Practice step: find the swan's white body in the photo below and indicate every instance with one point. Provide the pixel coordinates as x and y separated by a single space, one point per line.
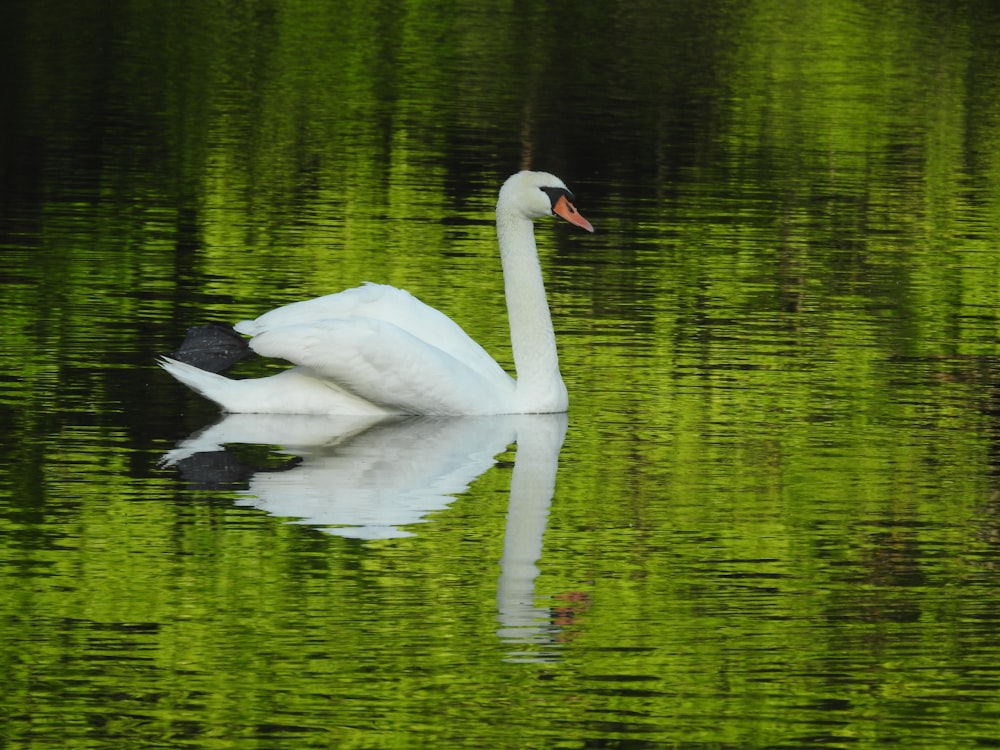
377 350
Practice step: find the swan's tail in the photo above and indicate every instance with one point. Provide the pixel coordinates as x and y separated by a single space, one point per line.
293 391
217 388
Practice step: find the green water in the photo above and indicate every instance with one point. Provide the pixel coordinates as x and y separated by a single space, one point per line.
771 516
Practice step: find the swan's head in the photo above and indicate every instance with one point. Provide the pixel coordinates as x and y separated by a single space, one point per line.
538 194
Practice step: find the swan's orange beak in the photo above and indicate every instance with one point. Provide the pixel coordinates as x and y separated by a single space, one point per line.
567 210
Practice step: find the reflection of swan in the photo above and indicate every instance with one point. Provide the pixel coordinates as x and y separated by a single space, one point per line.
363 477
377 350
531 488
355 477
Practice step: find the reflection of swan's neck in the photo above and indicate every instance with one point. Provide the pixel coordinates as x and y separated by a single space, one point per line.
532 484
539 384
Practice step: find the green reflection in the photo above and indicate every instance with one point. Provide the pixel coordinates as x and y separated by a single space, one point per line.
775 520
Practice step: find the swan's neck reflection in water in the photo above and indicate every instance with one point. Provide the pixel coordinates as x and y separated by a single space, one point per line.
368 478
539 439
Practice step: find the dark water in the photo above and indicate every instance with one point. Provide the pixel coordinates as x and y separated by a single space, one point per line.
771 516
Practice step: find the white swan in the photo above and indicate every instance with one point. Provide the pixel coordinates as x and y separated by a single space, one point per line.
377 350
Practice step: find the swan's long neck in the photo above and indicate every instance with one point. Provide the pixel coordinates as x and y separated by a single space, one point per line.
539 385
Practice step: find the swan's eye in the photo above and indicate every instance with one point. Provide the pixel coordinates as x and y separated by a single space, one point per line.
555 193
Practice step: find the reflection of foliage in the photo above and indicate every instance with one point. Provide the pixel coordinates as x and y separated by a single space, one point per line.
783 351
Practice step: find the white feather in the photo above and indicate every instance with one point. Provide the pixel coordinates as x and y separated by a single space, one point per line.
376 349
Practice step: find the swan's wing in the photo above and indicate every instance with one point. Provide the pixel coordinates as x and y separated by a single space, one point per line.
388 304
360 301
389 366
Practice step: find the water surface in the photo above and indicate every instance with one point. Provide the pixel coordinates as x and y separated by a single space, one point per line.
770 518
